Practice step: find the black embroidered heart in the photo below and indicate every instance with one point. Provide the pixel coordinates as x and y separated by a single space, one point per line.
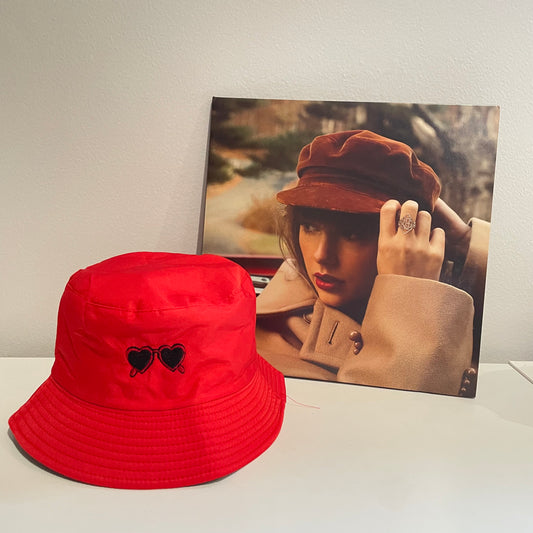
140 359
172 356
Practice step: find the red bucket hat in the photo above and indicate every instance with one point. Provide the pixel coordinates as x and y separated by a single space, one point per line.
357 172
156 381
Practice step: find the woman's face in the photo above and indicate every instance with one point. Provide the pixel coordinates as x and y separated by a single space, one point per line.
339 251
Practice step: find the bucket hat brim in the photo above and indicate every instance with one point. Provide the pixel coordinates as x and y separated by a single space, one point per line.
151 449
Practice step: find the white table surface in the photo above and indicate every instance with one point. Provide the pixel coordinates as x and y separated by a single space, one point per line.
365 459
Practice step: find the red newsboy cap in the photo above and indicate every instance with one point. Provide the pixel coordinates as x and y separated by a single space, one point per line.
357 171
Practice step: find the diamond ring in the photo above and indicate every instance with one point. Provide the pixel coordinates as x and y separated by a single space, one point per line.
406 223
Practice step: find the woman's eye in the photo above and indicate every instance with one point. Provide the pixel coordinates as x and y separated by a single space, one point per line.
352 236
359 234
309 227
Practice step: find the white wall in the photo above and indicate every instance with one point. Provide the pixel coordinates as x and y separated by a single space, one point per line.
104 119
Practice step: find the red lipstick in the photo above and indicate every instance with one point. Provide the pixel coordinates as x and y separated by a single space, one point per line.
327 283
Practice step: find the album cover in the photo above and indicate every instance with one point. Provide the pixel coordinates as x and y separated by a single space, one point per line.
365 230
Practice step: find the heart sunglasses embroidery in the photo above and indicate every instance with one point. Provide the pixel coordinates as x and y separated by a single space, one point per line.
142 358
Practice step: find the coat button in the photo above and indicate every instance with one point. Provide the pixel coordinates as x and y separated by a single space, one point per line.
355 336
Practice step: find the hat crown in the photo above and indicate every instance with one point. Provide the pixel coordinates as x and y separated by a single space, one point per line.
145 281
152 331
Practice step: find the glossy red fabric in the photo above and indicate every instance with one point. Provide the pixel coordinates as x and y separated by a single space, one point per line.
156 381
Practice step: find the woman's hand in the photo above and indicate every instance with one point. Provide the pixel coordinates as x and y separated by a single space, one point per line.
457 231
409 249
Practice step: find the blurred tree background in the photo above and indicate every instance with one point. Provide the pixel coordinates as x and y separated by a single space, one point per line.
251 139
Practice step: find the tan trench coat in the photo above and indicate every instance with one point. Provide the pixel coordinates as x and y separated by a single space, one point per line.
417 334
